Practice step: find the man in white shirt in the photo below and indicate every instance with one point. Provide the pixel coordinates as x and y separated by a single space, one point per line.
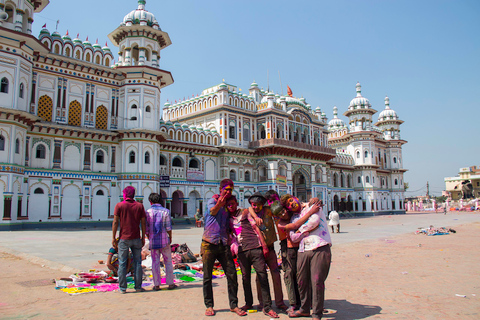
314 257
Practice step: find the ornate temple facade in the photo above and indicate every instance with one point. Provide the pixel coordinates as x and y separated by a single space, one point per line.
76 128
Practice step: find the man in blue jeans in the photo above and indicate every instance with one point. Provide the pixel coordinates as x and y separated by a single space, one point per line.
130 215
215 247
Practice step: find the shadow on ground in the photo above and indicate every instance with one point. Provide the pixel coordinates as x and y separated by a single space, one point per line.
346 310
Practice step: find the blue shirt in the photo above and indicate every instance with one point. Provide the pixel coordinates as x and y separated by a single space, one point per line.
217 226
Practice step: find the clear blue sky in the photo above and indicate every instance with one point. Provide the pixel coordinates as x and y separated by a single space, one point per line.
425 55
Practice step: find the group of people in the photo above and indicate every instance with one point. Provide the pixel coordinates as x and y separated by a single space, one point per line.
249 234
155 225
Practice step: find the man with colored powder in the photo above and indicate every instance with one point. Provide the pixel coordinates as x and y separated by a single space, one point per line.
252 252
215 247
314 257
129 214
159 232
270 236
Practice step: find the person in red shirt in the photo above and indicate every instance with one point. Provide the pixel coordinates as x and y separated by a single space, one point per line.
129 214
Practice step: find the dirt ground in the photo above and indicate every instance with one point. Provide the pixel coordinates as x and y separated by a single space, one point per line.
404 277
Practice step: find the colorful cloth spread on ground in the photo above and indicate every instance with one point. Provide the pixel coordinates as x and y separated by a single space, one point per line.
84 282
435 231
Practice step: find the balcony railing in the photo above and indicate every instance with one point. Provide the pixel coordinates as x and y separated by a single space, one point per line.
289 143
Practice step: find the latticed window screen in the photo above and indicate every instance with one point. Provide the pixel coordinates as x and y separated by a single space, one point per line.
75 114
45 106
101 118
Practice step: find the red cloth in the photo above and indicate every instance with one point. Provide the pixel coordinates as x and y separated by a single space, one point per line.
130 213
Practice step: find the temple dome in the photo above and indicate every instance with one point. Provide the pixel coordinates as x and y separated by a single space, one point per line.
141 16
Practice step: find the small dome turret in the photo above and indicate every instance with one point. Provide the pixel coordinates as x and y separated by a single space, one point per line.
141 16
387 114
336 122
66 38
359 101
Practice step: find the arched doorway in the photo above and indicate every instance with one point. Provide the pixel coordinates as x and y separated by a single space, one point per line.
336 203
37 204
349 203
163 196
177 204
71 203
193 203
100 204
300 186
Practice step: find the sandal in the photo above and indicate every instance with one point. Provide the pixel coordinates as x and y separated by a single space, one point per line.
172 286
283 308
209 312
245 307
239 311
271 314
156 288
298 314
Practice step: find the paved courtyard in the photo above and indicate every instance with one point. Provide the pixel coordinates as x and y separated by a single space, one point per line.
380 270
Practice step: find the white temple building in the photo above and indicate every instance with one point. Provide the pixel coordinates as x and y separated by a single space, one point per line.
76 128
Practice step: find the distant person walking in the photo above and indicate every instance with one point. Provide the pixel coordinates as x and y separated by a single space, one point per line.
129 214
198 218
445 209
334 218
159 232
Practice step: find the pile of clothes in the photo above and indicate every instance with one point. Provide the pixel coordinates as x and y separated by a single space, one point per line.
432 231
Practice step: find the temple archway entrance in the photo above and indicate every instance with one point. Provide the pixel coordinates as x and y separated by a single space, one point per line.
177 204
300 186
193 203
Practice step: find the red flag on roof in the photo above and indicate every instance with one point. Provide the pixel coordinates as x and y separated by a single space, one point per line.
289 91
44 26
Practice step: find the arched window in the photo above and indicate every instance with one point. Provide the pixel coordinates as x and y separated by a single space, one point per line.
394 159
367 179
88 57
77 55
335 180
134 106
193 164
40 152
359 180
358 154
247 176
57 49
100 158
17 146
131 157
2 143
67 51
21 90
97 60
38 191
100 193
107 62
177 162
147 157
4 85
163 161
396 182
233 174
342 180
366 154
148 109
